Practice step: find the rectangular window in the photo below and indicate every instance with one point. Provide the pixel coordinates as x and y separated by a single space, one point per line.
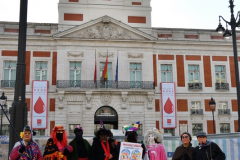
9 73
71 129
196 105
171 131
10 70
135 75
196 127
193 74
41 71
222 105
224 127
109 71
139 131
220 74
75 74
6 129
40 132
166 73
75 70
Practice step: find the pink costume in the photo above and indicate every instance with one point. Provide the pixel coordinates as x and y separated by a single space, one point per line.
155 152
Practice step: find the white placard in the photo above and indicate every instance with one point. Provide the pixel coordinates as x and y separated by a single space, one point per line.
39 104
130 151
169 118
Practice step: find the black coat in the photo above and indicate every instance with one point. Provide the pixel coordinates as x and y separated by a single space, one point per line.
203 152
97 152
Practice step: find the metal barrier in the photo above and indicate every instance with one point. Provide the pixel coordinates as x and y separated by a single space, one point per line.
229 143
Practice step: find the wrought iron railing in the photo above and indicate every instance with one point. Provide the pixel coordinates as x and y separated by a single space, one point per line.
7 83
223 111
196 111
194 86
105 84
222 86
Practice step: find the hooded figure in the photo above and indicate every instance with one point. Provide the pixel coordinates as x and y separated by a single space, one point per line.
30 149
102 148
81 147
155 150
56 146
131 134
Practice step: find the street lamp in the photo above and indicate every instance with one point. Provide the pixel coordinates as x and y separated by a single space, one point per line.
3 100
233 23
212 106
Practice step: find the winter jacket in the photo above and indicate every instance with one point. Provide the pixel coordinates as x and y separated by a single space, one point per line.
97 152
74 154
182 153
208 151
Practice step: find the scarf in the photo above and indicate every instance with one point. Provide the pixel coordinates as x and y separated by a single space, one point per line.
107 151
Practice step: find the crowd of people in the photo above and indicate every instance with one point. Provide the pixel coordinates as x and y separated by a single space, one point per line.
105 147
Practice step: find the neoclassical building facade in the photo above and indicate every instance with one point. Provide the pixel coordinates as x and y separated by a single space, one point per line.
199 62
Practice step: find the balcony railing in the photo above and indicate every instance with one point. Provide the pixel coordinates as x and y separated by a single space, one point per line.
196 111
89 84
194 86
222 86
224 111
7 83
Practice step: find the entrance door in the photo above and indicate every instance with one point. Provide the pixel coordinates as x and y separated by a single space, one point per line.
109 117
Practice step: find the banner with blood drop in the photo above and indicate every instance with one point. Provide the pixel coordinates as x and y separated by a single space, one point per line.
39 104
169 118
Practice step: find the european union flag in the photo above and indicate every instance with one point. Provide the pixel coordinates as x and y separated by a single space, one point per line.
116 77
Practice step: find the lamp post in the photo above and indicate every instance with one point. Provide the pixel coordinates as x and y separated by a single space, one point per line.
3 100
220 29
18 112
212 106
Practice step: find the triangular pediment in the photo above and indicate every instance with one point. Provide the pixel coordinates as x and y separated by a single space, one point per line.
105 28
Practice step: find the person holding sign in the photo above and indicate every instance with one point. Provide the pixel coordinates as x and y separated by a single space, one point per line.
131 135
184 152
29 150
155 150
56 146
102 148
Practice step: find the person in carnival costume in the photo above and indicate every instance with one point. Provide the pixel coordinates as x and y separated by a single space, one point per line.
155 150
56 147
131 135
184 152
29 150
81 147
102 148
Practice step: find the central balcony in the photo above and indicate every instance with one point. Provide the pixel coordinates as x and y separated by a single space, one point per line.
89 84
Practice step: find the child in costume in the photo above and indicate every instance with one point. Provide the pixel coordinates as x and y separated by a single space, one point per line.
155 150
131 134
56 147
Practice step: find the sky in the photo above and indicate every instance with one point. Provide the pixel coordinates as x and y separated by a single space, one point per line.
198 14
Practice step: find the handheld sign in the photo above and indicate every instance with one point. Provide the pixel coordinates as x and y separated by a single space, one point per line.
130 151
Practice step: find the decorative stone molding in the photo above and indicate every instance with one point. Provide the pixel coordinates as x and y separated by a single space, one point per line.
105 30
106 19
124 100
74 98
88 99
135 55
150 97
104 54
136 98
60 99
75 54
106 98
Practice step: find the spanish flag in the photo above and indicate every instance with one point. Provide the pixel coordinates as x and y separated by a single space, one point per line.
105 74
